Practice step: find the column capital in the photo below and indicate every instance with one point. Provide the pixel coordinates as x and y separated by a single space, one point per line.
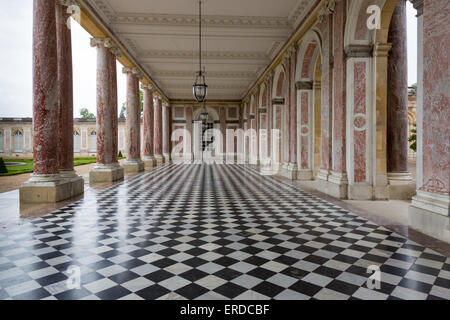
418 5
358 51
67 3
304 85
147 86
327 9
157 95
133 70
382 49
107 43
165 103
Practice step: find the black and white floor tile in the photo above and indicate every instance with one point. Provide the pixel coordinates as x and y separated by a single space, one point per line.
212 232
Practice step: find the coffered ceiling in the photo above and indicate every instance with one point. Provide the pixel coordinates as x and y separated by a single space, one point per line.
240 38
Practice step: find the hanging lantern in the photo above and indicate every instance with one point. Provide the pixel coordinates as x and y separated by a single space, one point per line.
200 89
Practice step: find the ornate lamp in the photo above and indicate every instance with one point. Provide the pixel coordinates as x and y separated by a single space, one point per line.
204 115
200 89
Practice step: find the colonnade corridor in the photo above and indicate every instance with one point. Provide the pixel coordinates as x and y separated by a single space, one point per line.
213 231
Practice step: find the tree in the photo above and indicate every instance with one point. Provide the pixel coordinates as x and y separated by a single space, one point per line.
85 114
3 168
413 138
123 111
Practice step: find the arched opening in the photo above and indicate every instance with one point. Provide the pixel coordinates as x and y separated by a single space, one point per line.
18 141
203 139
317 123
93 141
1 141
76 141
278 114
309 109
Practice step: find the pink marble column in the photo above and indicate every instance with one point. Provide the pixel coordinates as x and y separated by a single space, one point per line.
45 90
339 94
293 110
65 92
165 130
158 133
148 125
107 132
326 113
397 93
133 121
430 208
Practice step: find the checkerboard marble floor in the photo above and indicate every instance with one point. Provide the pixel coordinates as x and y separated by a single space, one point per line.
212 232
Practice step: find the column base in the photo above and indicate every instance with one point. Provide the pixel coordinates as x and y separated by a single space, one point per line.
159 159
429 214
337 185
304 174
45 189
133 166
149 162
106 173
401 186
381 188
360 192
167 157
76 186
289 170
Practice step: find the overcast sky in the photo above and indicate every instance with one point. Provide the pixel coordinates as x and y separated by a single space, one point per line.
15 61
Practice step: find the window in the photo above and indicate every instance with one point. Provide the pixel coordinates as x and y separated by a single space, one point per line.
76 141
1 141
18 141
93 142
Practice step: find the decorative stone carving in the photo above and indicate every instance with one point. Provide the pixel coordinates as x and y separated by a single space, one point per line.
147 86
304 85
133 70
358 51
382 49
107 43
418 5
68 3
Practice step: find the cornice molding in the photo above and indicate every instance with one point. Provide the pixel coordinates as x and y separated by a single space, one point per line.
192 20
210 86
212 74
297 14
206 54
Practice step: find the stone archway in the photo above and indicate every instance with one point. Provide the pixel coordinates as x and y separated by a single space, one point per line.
308 102
202 140
278 115
366 100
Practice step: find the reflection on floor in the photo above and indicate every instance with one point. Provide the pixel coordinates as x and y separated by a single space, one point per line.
212 232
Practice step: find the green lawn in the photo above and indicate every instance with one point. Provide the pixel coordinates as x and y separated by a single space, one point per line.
28 167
